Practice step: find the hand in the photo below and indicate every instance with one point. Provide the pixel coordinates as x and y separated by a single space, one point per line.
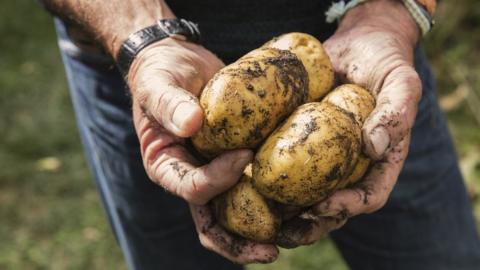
165 80
373 47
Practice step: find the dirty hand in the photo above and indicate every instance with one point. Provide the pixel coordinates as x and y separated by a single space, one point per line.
372 47
165 80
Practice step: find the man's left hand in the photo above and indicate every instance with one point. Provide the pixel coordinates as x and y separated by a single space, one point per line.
372 47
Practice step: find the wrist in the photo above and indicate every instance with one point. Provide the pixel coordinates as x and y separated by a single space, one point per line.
382 15
110 22
178 29
113 36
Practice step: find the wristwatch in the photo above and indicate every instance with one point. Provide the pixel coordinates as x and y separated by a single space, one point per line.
175 28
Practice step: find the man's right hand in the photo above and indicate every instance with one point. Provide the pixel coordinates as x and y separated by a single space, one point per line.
165 80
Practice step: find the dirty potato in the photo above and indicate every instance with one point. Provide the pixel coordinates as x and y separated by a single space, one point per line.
246 100
317 63
304 160
358 172
358 101
354 99
317 150
244 211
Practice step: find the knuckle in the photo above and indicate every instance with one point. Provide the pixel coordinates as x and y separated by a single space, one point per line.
376 204
413 82
154 161
157 103
186 194
192 197
412 77
142 95
150 169
152 154
193 190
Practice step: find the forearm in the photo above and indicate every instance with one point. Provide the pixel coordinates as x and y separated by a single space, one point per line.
110 22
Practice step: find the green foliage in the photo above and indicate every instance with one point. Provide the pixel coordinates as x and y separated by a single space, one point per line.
50 214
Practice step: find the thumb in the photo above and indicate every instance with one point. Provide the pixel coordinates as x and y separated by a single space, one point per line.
395 112
175 108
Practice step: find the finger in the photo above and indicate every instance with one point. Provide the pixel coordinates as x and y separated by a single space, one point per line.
172 169
372 193
168 164
215 238
203 183
301 231
395 112
171 106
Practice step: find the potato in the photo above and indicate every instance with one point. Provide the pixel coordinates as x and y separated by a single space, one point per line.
354 99
358 172
317 63
303 161
246 100
316 151
244 211
360 102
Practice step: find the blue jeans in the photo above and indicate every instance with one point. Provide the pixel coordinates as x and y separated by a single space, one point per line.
426 224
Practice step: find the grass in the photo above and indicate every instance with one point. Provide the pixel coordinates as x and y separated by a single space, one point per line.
50 215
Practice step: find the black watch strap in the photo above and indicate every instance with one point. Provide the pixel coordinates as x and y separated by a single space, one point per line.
162 29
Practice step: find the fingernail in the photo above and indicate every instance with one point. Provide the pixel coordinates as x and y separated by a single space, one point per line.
183 113
379 140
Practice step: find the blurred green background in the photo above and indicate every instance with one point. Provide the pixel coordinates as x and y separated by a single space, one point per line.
50 215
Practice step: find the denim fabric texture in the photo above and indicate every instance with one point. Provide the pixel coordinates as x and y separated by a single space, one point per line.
426 224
